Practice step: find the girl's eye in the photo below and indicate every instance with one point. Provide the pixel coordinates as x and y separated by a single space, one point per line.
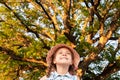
68 53
60 52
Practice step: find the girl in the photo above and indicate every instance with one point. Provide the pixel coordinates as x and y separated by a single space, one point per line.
62 62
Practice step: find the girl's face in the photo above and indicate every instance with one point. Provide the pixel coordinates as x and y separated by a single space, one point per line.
63 56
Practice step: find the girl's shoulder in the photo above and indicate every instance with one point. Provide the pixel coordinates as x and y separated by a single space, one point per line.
75 77
43 78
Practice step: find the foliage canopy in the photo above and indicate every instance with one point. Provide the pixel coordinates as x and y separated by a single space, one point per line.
29 28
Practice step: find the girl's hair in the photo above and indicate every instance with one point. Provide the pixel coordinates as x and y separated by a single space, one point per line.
52 66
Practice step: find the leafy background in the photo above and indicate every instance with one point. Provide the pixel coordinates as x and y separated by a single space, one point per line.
29 28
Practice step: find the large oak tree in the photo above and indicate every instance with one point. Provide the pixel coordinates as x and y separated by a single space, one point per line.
29 28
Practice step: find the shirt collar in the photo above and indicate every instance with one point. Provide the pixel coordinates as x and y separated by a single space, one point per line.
66 75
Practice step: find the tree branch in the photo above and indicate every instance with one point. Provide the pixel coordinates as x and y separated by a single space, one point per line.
112 68
92 9
48 15
66 21
86 3
113 26
51 18
84 64
11 53
103 39
26 26
22 21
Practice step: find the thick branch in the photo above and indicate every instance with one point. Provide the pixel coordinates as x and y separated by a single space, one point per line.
84 65
13 55
48 35
113 26
70 36
66 21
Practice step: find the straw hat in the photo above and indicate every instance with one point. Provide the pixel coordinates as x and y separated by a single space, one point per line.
76 57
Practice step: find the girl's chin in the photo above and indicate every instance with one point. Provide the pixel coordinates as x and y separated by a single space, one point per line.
64 63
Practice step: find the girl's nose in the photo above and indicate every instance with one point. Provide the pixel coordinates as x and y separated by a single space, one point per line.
64 54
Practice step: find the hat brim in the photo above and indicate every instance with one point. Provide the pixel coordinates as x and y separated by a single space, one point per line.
51 52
